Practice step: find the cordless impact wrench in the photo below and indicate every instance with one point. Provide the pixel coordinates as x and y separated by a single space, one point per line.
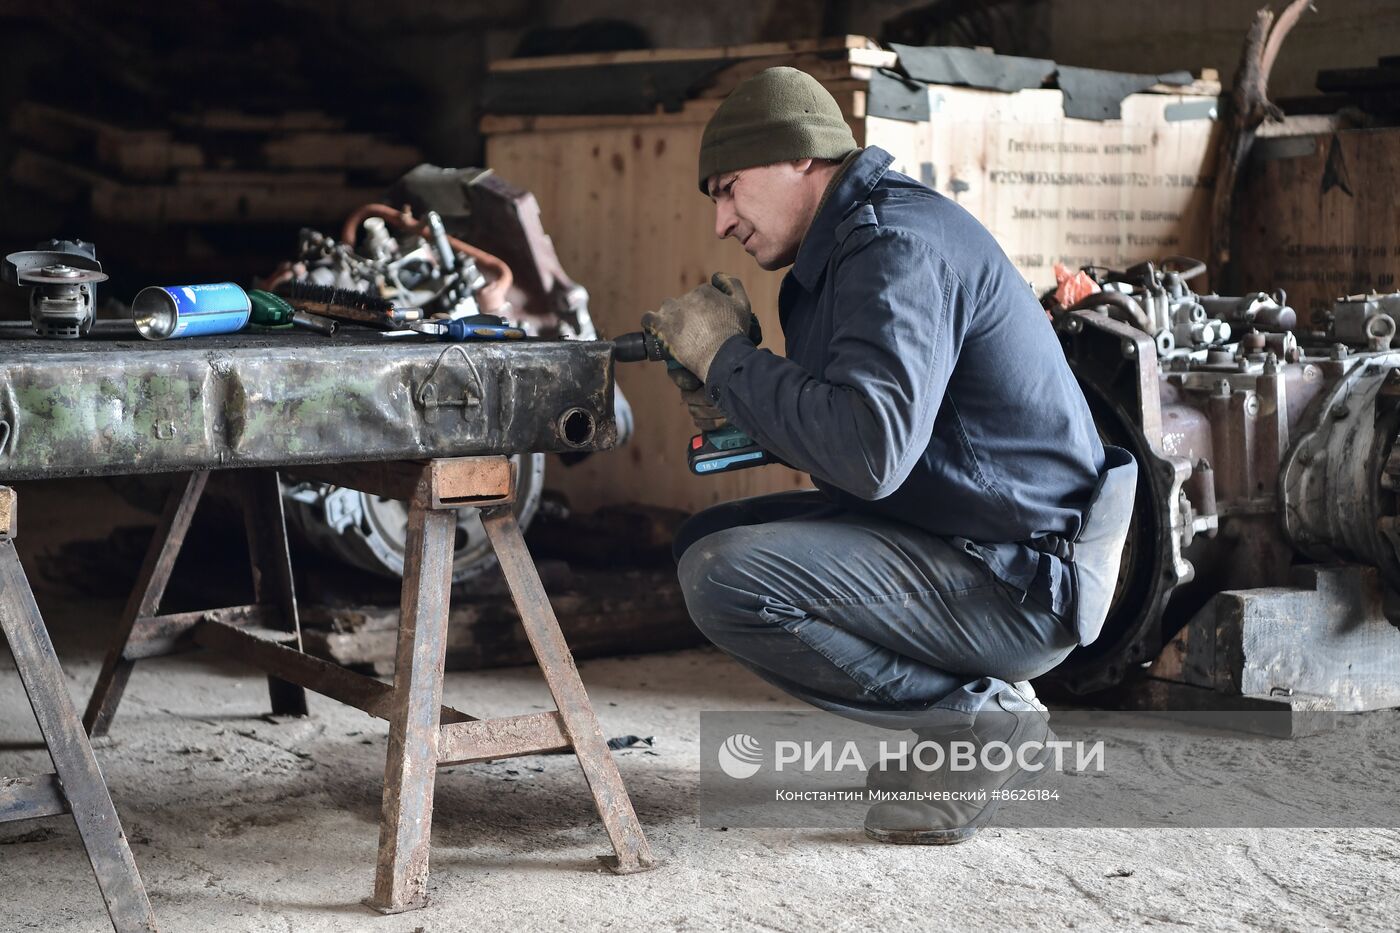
719 451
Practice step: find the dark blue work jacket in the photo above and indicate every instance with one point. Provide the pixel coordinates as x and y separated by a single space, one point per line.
922 381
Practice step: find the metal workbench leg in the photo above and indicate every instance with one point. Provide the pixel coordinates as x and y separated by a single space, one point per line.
266 524
80 780
145 599
557 664
405 824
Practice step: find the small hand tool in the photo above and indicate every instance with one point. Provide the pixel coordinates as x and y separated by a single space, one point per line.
719 451
472 327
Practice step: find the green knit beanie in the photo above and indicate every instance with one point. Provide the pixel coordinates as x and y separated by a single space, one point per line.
777 115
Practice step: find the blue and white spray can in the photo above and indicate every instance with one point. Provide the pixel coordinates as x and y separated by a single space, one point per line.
163 312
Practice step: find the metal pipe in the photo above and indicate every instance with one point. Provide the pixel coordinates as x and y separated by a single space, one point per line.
1128 310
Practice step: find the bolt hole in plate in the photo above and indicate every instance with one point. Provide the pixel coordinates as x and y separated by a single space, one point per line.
369 532
576 427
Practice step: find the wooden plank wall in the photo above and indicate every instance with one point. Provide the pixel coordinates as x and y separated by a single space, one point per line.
1319 216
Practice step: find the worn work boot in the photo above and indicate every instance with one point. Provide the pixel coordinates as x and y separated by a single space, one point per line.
1012 719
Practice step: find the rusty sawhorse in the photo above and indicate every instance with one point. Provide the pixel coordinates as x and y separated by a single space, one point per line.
77 786
423 734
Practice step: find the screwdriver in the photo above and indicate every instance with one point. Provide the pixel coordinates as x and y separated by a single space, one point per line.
472 327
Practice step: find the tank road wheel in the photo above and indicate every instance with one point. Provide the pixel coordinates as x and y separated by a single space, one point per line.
369 531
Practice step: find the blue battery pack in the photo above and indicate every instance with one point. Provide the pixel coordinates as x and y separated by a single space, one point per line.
724 450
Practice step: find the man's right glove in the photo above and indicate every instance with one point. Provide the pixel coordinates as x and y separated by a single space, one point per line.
695 325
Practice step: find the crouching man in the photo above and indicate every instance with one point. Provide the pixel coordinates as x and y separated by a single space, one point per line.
965 532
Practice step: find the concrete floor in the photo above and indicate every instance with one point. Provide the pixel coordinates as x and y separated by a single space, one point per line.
238 823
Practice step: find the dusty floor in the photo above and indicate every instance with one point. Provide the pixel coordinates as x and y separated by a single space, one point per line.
239 824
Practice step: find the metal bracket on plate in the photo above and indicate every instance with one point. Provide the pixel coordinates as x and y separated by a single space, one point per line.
427 398
427 393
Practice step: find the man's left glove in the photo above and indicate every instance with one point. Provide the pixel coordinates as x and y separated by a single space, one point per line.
695 325
706 415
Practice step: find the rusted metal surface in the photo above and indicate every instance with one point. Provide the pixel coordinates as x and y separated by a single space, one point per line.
324 677
396 479
1105 352
405 823
154 636
1252 462
1335 479
534 734
9 512
29 798
1116 364
633 853
78 777
600 612
114 404
144 601
452 482
270 557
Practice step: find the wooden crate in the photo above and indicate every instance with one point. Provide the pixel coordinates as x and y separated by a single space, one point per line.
618 195
1319 212
1081 192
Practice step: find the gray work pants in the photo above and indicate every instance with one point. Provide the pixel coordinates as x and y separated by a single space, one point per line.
865 617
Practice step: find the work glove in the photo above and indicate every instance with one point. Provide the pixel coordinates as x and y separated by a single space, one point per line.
703 412
695 325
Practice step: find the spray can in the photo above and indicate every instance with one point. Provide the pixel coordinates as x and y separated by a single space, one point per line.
163 312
